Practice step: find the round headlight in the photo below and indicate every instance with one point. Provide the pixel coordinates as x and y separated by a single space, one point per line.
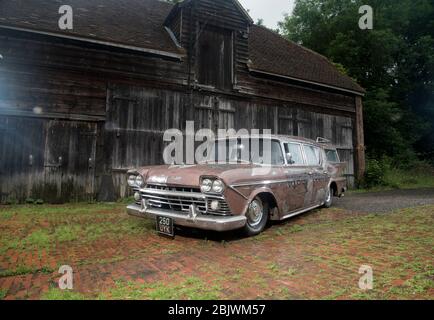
140 182
206 185
218 186
132 181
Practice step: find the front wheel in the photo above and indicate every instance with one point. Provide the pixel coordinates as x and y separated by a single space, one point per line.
329 198
257 217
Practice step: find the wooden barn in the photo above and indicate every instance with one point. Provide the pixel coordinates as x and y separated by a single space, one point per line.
79 107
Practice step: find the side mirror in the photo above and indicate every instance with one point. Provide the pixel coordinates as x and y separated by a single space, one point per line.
289 158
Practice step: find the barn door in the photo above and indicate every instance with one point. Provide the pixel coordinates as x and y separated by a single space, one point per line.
21 158
69 165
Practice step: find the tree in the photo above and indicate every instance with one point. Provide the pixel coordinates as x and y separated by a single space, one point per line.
394 62
259 22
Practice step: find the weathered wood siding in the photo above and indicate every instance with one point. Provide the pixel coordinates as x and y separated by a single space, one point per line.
138 117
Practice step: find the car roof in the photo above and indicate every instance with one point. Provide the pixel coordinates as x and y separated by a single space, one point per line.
285 138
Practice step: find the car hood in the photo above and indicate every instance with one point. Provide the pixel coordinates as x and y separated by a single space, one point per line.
189 175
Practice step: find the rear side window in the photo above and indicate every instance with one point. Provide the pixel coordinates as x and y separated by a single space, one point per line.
332 155
295 150
312 155
276 154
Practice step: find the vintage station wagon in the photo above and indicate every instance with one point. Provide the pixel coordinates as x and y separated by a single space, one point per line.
238 194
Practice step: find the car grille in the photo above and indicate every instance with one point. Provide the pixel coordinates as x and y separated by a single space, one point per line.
180 199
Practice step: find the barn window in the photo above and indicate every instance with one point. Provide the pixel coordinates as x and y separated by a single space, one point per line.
215 57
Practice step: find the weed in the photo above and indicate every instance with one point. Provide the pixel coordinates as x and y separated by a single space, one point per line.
57 294
3 293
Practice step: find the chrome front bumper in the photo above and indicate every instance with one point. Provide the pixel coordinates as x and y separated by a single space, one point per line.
206 222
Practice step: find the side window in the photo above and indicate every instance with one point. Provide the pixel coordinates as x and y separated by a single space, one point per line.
295 150
312 155
276 154
332 155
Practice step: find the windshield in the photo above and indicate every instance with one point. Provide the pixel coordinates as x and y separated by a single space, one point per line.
246 150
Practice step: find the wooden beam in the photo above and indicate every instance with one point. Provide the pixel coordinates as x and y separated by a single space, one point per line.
50 115
359 141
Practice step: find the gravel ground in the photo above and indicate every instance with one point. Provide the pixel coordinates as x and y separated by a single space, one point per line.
385 201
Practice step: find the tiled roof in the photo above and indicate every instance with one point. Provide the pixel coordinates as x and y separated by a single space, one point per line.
270 52
137 23
140 24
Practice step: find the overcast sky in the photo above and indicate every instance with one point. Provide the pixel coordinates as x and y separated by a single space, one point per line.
270 10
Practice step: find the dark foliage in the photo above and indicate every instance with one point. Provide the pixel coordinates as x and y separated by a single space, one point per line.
394 62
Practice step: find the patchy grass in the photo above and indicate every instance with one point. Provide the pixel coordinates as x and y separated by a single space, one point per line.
39 239
420 177
57 294
3 293
23 270
45 227
315 256
192 288
67 232
411 179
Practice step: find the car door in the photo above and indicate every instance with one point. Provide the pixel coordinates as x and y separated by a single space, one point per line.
317 175
297 174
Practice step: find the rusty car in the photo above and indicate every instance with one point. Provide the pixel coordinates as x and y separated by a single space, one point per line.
238 194
335 167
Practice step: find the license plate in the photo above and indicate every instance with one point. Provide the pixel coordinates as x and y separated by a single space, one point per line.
165 226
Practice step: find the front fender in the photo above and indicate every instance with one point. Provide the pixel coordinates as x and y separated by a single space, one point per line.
255 193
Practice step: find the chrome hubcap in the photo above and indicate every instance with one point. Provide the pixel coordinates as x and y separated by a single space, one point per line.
255 214
329 196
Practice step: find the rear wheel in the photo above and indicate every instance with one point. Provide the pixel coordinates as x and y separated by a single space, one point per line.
329 198
257 217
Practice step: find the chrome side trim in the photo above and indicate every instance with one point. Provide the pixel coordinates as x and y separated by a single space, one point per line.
296 213
196 195
266 182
